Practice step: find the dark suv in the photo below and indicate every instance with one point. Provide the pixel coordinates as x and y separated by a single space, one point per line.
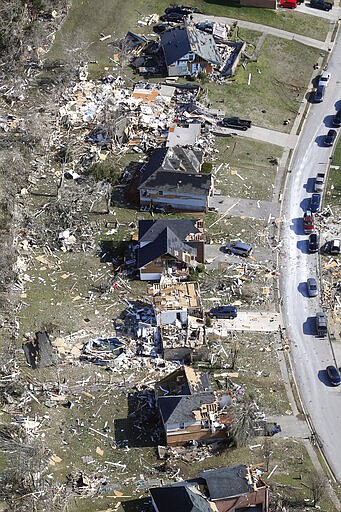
224 312
313 242
321 4
330 138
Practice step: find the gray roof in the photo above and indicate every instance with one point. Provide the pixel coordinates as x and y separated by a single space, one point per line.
179 409
196 184
167 242
149 230
226 482
177 42
173 159
179 498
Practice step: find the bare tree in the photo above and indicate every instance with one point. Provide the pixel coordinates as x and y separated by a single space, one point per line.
234 354
317 484
267 451
243 425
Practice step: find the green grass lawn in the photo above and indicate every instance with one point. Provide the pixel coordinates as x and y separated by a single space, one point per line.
336 160
279 80
333 192
250 173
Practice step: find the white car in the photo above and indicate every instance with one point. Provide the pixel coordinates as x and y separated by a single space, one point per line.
324 78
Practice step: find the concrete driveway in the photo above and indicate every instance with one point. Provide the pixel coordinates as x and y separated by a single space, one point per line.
215 257
256 132
250 208
258 321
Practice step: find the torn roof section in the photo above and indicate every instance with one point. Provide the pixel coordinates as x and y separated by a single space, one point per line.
174 159
228 482
181 409
178 42
173 296
184 229
166 242
183 499
183 381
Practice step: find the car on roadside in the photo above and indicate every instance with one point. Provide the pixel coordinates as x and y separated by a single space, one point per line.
223 312
308 222
313 242
239 248
333 375
324 78
312 287
330 138
321 5
315 202
319 93
337 119
184 9
173 16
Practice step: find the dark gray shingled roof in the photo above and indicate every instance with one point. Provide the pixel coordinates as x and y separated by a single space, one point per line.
149 230
167 242
179 499
177 42
226 482
177 159
178 409
197 184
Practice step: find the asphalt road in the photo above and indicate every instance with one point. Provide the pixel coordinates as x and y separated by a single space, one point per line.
310 355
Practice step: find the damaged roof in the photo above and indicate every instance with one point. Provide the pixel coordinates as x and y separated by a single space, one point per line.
178 182
228 482
176 498
178 42
174 159
149 230
166 242
179 409
183 381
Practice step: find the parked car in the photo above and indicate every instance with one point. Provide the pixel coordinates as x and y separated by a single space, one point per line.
315 202
319 93
239 248
313 242
335 246
337 119
308 222
312 287
330 137
288 4
235 122
223 312
333 375
324 78
173 16
184 9
321 4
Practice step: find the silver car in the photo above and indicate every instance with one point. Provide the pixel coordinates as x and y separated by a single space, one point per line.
312 287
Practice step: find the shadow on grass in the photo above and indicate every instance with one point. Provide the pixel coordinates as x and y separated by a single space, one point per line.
142 427
138 505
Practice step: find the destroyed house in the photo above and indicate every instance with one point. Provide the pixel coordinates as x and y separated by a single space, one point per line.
189 51
172 179
175 302
228 489
169 246
190 410
180 317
